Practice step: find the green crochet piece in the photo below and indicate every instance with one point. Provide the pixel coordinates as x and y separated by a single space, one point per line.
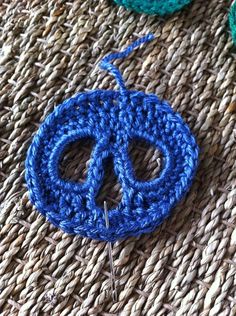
159 7
232 21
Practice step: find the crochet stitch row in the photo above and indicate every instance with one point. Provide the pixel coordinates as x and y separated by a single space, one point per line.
144 205
159 7
232 21
112 119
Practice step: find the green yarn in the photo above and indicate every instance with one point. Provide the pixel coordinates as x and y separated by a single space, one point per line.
166 7
232 21
159 7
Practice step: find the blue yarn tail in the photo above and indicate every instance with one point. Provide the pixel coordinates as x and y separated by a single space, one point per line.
106 65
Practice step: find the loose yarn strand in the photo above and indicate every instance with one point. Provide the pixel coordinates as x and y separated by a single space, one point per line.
106 65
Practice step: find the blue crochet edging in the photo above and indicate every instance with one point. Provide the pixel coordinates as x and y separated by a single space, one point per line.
113 119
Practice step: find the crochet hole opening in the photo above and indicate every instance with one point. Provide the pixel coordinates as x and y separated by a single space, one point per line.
75 160
110 190
147 160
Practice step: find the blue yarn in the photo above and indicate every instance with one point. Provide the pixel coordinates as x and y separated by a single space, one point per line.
113 119
105 63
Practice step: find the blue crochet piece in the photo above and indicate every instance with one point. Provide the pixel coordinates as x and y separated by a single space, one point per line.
113 119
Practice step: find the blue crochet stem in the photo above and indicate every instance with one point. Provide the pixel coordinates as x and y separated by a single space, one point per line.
106 65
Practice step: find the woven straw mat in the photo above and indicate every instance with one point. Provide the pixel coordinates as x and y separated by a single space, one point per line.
50 50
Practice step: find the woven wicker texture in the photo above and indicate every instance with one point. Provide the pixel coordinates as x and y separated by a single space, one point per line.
49 51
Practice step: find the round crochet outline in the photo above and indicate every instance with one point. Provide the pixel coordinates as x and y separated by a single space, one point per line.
125 220
158 7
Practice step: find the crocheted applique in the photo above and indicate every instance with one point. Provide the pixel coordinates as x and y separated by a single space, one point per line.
232 21
167 7
159 7
113 119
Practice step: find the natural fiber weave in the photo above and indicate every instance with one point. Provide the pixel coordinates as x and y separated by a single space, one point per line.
187 267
